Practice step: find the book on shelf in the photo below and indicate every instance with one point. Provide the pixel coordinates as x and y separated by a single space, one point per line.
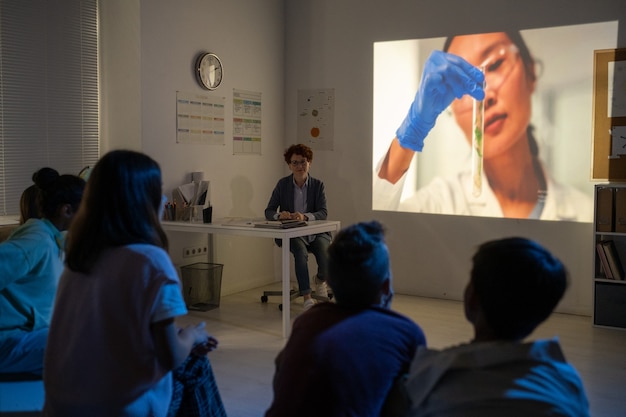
613 259
605 215
620 210
604 262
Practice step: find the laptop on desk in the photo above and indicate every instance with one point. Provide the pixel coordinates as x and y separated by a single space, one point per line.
280 224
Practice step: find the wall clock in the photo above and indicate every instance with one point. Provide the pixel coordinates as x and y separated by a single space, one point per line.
209 70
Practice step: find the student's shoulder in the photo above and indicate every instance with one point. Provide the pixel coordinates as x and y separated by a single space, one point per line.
394 323
31 227
393 315
34 233
152 255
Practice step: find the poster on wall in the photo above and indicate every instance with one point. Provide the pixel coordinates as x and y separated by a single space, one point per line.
246 122
316 117
199 119
534 129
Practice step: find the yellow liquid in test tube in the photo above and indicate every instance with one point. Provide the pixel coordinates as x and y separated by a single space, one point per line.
478 131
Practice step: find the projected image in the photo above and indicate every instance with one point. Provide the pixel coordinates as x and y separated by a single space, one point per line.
491 124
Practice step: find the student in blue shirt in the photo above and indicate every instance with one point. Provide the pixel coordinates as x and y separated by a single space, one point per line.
514 285
31 262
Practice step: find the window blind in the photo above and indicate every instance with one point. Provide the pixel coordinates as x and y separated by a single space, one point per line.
49 102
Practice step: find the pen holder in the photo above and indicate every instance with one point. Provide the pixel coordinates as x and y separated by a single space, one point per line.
207 214
183 214
196 214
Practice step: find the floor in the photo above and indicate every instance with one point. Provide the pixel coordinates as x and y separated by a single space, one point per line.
249 333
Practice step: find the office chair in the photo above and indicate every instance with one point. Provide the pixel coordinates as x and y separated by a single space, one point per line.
293 294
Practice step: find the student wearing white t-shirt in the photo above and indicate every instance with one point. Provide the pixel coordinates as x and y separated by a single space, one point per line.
113 341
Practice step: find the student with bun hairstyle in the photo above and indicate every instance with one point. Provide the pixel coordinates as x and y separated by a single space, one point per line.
31 262
29 201
344 358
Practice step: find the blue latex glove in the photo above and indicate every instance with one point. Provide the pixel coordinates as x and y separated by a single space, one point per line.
445 77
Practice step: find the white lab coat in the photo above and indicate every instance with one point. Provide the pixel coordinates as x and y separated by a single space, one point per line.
453 195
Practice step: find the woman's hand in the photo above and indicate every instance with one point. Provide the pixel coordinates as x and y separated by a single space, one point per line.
298 216
203 342
205 347
445 77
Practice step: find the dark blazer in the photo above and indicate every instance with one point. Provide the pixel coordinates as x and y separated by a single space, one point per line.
282 199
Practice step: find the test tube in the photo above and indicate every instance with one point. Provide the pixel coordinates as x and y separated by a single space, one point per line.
478 130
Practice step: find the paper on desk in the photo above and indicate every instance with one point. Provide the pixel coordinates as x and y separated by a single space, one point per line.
240 221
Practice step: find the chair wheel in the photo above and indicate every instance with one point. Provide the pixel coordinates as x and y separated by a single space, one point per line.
264 298
280 307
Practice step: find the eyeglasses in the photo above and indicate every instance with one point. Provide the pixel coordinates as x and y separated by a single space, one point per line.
497 68
302 162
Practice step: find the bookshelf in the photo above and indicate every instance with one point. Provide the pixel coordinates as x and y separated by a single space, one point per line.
609 282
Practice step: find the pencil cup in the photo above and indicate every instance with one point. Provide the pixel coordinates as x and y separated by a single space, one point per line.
183 214
196 214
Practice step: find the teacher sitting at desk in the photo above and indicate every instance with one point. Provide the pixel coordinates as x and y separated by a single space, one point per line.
301 197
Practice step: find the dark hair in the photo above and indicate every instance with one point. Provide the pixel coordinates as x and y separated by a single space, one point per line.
516 38
298 149
57 190
45 176
518 284
120 207
358 264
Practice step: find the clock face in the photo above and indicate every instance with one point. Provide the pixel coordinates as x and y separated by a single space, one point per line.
209 71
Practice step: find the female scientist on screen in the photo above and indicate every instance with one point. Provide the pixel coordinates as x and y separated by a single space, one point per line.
515 183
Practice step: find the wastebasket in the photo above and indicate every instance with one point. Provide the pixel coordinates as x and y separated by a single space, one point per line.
202 284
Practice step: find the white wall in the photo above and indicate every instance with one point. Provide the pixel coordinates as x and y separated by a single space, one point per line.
120 75
325 44
330 44
150 46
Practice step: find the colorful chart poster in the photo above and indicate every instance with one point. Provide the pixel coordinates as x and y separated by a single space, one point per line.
246 122
199 119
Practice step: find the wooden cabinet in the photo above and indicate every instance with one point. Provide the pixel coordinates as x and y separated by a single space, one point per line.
609 283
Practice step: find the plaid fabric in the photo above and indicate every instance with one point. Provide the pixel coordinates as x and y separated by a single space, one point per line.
195 392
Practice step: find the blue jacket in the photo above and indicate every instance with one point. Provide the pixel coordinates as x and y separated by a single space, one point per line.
282 199
31 262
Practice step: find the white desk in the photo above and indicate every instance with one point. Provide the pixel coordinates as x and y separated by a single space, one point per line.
313 227
9 220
